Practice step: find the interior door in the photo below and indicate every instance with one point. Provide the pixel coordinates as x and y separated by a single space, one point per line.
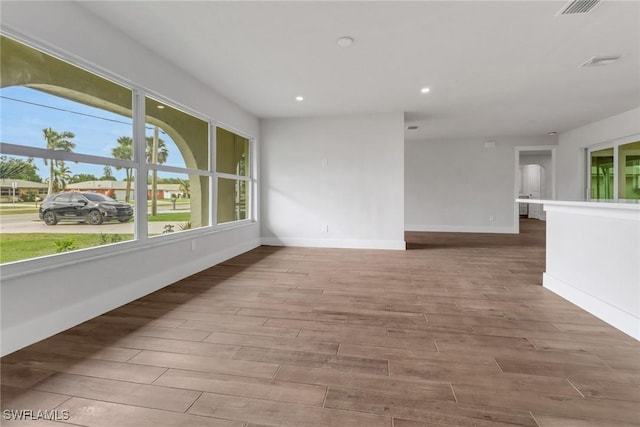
532 187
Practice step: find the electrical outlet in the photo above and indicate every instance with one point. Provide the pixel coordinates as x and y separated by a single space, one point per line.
193 245
325 228
491 218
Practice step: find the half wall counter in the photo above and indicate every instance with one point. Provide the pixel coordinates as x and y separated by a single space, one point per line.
593 258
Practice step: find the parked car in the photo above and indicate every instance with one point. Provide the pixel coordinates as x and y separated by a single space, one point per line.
92 208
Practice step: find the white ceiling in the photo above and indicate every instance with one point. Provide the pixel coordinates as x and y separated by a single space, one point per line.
494 68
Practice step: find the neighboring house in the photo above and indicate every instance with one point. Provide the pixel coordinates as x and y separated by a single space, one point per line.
167 191
118 189
22 188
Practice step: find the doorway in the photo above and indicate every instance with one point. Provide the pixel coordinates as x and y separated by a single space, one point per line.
532 186
534 179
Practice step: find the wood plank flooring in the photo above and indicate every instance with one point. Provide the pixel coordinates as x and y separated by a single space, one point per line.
457 330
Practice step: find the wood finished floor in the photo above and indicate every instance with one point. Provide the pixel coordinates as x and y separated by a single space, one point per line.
457 330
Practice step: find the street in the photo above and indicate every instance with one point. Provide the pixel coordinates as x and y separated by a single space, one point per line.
29 223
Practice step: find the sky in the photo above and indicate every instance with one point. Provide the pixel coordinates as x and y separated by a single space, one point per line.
96 131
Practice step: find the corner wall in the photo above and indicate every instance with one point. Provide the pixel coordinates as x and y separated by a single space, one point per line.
459 185
333 181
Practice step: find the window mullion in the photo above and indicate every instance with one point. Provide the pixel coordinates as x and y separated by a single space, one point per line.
213 179
616 171
140 179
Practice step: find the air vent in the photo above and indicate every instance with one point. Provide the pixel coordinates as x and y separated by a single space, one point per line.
412 127
600 60
579 6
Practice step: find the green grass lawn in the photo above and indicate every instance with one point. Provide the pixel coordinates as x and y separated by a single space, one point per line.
15 247
18 209
171 216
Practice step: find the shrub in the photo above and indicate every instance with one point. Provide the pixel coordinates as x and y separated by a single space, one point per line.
105 239
65 245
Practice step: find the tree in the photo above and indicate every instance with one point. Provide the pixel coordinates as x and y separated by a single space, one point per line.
82 177
108 174
56 141
61 176
14 168
185 187
156 153
124 151
163 152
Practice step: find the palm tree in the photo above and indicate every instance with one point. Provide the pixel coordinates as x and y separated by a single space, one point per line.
185 187
62 175
124 151
163 152
157 153
56 141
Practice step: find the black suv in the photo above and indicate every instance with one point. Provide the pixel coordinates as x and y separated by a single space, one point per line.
92 208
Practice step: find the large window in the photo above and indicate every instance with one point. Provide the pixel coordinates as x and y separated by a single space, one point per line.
629 171
178 157
60 124
79 170
602 174
234 176
614 172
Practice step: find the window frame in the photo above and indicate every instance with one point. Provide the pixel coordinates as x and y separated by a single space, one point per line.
249 178
139 165
615 144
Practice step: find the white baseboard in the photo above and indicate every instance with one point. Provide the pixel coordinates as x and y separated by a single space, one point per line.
626 322
335 243
461 228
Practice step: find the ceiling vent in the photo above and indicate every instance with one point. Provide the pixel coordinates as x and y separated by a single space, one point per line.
600 60
579 6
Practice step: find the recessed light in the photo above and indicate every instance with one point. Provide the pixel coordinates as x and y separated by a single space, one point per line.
425 90
552 133
345 41
299 98
160 107
412 127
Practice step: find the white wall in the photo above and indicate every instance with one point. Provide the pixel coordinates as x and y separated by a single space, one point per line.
571 154
345 172
458 185
42 297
